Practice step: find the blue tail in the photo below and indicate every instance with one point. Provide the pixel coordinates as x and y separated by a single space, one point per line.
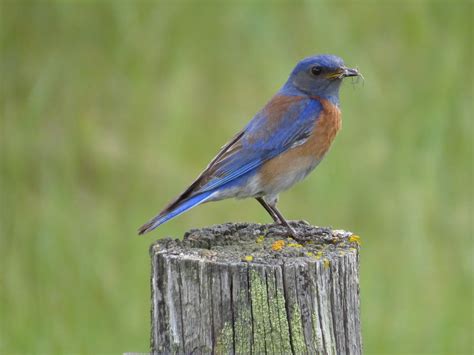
174 210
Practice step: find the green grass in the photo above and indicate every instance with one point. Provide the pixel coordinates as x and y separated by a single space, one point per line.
109 109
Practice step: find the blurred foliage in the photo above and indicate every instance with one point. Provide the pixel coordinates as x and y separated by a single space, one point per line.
109 109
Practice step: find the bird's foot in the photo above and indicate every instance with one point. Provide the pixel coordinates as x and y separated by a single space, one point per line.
293 233
300 237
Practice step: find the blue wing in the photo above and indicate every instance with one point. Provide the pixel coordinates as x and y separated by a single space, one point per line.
270 133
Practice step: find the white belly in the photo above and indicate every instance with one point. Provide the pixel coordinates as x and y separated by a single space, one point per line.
252 188
298 170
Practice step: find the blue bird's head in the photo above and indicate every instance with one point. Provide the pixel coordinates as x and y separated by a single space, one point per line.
320 75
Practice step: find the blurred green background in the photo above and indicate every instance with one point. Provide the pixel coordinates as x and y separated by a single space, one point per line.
109 109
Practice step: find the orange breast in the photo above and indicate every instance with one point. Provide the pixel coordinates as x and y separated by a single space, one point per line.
306 156
324 132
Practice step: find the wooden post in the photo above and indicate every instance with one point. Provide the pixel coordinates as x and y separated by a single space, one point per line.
249 289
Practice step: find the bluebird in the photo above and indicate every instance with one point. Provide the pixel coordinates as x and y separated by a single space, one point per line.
279 147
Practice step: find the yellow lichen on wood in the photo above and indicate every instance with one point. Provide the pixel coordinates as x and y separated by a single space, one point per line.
326 263
248 258
278 245
260 239
294 245
354 239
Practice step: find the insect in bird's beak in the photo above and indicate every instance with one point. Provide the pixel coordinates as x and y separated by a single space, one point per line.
344 72
350 72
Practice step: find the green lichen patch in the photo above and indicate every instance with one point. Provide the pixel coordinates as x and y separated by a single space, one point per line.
225 340
260 312
297 336
242 325
280 334
317 331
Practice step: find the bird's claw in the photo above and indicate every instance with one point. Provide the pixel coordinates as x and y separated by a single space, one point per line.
292 231
295 235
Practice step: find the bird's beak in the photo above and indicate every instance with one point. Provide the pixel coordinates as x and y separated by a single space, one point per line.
349 72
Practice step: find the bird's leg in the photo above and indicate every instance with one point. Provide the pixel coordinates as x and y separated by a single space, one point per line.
283 221
268 209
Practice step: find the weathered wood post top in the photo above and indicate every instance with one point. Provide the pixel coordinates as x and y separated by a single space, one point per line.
250 289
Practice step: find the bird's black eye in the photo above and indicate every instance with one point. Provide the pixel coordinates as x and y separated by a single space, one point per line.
316 70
